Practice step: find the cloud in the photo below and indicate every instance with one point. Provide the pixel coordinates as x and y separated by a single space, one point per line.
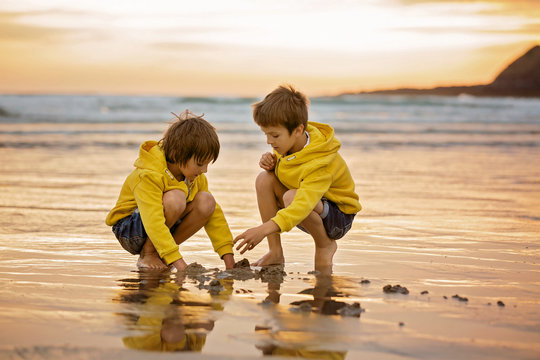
11 29
521 8
15 26
502 17
525 29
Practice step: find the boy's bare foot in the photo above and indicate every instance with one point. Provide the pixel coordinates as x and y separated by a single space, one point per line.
270 258
325 255
151 261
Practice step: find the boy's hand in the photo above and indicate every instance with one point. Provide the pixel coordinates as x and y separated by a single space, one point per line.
180 265
252 237
268 161
228 259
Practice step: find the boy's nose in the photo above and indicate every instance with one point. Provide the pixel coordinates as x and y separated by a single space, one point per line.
205 169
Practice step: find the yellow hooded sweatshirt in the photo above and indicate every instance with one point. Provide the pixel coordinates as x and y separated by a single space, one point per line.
144 189
316 171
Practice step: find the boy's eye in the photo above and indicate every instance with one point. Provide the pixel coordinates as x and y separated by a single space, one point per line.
275 136
200 165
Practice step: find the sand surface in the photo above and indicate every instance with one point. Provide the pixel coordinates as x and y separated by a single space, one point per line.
441 222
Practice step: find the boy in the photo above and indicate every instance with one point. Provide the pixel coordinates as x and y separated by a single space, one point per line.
306 183
165 200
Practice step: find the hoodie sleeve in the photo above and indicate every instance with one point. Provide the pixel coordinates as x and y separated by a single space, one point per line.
311 190
149 196
217 228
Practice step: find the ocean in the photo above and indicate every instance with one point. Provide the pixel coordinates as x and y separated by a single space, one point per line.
450 189
366 121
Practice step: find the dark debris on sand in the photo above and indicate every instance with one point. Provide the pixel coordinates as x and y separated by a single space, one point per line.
353 310
330 293
241 271
460 298
395 289
244 263
329 307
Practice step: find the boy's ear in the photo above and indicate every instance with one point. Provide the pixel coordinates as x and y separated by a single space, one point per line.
299 130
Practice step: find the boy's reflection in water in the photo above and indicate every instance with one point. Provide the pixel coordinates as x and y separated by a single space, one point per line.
170 317
277 341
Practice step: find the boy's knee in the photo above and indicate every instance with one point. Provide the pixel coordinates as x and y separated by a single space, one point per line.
206 204
174 203
288 197
264 180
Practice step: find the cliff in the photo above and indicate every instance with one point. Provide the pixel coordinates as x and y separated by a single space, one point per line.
521 78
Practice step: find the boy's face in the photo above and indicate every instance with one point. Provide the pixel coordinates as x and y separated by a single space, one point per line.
193 168
281 141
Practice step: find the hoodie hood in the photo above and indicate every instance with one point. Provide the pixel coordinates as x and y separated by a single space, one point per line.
151 157
322 144
315 172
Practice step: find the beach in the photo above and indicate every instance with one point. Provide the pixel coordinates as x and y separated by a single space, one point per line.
451 212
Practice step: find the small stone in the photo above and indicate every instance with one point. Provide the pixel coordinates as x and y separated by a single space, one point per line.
242 263
425 292
262 328
500 303
353 310
272 274
460 298
365 282
389 289
401 323
194 269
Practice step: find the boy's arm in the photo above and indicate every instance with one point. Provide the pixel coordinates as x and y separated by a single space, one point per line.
149 196
311 190
254 236
228 259
218 230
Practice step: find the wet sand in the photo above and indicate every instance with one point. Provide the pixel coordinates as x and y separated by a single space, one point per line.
439 221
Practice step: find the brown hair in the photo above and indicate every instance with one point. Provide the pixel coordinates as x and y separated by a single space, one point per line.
190 136
284 106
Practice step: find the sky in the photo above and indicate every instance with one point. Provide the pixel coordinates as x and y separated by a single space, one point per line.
248 47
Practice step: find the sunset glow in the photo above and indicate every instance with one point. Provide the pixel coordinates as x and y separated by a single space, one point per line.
247 47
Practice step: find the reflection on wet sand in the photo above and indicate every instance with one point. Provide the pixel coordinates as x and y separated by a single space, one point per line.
165 315
176 312
303 341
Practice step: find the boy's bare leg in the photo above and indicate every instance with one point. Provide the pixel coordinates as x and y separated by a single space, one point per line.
269 194
195 216
174 204
325 248
149 258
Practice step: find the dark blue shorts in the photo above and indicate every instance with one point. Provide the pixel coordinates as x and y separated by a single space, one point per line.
131 234
336 222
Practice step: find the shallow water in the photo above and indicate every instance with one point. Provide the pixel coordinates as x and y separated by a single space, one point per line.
454 220
451 194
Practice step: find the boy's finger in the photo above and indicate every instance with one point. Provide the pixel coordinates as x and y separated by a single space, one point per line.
242 244
241 236
245 247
